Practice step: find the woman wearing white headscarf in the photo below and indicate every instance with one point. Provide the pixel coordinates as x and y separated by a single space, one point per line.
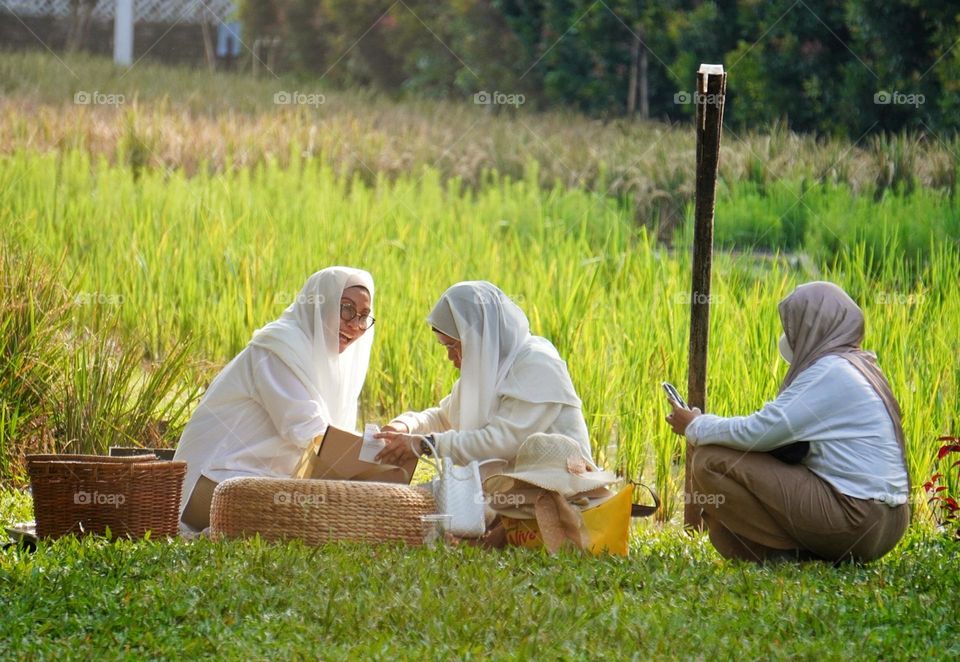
299 374
512 384
820 472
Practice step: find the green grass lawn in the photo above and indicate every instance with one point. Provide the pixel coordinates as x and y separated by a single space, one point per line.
673 597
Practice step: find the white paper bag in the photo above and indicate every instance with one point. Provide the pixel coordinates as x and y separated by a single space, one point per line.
371 447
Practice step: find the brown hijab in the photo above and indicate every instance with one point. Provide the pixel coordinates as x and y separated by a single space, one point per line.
820 319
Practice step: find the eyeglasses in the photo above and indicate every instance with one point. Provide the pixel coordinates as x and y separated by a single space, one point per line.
348 313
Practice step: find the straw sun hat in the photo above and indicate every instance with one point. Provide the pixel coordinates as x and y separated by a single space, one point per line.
553 462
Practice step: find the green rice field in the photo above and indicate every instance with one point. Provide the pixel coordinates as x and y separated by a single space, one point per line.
214 256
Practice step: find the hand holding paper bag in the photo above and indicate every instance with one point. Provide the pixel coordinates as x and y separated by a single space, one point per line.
400 447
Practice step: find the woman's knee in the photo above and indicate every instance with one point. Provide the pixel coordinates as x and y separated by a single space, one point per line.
708 463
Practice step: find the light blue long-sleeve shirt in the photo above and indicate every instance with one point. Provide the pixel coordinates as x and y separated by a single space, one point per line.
853 445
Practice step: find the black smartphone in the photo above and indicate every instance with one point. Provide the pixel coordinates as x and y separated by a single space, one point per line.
673 395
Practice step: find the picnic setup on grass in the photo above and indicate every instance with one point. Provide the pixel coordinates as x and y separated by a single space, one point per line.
272 449
552 495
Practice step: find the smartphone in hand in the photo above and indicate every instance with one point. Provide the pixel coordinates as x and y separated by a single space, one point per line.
673 395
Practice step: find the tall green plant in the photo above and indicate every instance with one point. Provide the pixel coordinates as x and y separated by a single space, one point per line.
33 306
110 397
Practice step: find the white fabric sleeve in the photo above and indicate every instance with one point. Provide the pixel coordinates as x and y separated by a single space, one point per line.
799 413
435 419
513 421
297 417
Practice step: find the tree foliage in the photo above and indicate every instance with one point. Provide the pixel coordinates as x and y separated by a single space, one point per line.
828 66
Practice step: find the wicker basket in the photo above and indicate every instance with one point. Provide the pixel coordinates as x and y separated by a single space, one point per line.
85 494
319 511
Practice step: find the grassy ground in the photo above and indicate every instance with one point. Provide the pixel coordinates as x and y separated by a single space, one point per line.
671 598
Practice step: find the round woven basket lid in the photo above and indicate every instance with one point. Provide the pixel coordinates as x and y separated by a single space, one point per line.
319 511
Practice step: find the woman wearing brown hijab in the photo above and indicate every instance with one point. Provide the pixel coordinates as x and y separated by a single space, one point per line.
845 495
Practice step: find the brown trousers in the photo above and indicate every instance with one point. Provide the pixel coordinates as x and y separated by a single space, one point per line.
757 508
197 512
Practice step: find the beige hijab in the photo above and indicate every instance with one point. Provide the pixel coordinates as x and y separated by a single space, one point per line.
820 319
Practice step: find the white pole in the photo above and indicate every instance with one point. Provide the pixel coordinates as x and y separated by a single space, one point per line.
123 33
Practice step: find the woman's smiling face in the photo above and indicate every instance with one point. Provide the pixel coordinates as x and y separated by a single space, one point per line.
354 304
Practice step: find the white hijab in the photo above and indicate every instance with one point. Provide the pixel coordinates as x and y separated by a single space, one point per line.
495 337
306 339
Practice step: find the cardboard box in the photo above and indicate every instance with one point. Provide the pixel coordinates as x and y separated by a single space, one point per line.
335 456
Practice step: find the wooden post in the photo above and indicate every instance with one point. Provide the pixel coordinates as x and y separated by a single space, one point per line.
644 81
638 83
209 50
709 97
634 75
272 54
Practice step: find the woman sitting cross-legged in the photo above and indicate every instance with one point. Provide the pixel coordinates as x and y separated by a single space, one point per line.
846 497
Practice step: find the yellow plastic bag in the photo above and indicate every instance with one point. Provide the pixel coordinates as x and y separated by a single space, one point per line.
608 526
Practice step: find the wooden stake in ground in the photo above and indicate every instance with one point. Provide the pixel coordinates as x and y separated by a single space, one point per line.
709 97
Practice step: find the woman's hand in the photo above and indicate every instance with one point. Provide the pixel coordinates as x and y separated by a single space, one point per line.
399 447
393 426
680 418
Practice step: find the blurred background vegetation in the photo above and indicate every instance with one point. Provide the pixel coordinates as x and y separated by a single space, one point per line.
815 64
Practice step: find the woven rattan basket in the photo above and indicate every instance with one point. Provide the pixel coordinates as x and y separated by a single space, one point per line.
85 494
319 511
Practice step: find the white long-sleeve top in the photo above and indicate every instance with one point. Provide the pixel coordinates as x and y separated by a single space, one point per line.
513 420
853 445
256 419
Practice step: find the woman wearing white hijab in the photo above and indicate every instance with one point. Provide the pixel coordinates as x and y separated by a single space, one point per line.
299 374
820 472
512 384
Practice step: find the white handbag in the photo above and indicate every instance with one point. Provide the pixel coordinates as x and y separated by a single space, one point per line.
458 492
